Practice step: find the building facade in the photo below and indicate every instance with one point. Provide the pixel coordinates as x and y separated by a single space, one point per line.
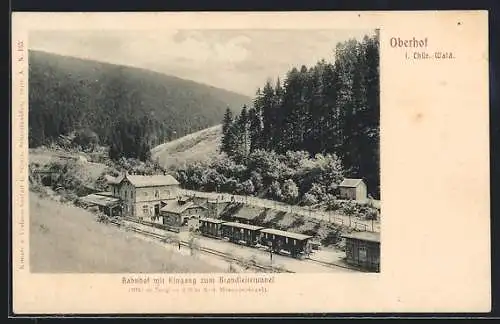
143 196
363 250
353 189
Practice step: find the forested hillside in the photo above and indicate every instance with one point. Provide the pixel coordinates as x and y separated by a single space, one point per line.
322 122
126 108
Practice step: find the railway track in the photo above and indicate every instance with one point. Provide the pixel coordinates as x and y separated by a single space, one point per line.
222 255
229 257
332 265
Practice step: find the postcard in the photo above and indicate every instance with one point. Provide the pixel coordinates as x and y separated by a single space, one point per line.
250 162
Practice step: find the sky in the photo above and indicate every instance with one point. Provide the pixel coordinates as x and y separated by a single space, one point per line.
236 60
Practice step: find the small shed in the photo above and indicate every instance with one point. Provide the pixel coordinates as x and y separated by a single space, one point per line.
353 189
178 212
363 250
109 205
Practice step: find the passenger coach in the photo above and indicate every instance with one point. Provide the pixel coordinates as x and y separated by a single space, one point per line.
298 245
241 233
211 227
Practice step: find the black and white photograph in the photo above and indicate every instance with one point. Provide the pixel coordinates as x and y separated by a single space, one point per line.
204 151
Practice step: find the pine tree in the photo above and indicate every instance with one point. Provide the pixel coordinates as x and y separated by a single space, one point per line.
255 129
267 103
242 126
228 137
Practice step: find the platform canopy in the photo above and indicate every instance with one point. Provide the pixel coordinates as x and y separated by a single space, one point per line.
100 200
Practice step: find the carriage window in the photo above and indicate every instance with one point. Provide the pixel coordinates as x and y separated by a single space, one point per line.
294 242
241 230
286 240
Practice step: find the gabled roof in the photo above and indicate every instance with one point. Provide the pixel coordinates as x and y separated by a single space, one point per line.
139 181
296 236
350 183
248 212
175 208
364 236
113 180
152 181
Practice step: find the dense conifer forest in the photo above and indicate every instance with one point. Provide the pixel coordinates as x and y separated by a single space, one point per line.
302 135
127 109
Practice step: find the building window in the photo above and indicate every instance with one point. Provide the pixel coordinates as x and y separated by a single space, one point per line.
145 194
145 210
131 195
157 193
294 242
286 240
167 192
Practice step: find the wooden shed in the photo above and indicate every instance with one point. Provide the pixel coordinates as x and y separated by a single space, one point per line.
108 204
178 212
363 250
353 189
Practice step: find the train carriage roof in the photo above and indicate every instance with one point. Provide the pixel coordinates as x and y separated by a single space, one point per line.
211 220
296 236
241 225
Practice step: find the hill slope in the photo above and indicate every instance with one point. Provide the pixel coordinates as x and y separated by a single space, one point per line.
197 146
66 239
67 93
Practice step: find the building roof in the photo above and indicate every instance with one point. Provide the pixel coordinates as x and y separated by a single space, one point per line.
248 212
145 180
241 225
364 236
350 183
104 193
175 208
211 220
113 180
296 236
100 200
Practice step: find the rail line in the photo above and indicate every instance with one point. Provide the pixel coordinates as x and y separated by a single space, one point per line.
222 255
229 257
333 265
